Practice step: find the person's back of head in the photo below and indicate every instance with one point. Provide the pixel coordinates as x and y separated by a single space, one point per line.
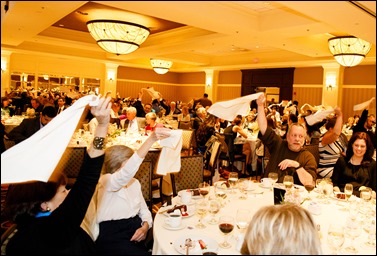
49 111
285 229
205 95
114 158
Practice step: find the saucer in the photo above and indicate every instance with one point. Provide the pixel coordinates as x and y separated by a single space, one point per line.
182 226
263 186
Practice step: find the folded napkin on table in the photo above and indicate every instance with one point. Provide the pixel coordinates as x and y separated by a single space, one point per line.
37 157
228 110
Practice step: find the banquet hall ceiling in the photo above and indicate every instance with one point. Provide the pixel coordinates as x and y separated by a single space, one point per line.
195 35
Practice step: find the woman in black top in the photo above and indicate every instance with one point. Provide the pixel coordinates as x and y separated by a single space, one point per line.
47 215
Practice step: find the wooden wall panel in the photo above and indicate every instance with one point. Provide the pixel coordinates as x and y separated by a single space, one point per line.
353 96
312 96
228 92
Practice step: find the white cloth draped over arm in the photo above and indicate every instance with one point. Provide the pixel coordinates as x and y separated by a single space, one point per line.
37 157
228 110
170 156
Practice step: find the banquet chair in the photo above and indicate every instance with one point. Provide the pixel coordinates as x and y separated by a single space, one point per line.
187 125
187 138
213 163
144 175
6 236
70 163
313 148
8 143
190 175
232 152
263 156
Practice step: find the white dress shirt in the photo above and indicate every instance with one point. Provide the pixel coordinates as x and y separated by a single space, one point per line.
133 126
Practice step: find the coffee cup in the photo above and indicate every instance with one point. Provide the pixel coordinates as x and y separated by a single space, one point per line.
266 182
174 219
186 197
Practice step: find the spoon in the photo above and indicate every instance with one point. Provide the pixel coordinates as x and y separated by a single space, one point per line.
188 244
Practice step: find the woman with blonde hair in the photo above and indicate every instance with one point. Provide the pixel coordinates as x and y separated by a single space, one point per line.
285 229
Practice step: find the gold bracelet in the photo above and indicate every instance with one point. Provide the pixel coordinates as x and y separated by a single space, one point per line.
98 143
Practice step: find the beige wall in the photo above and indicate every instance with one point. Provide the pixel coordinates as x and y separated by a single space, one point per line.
359 83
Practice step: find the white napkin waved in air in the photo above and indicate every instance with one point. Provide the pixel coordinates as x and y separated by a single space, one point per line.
37 157
154 94
170 156
318 116
228 110
363 105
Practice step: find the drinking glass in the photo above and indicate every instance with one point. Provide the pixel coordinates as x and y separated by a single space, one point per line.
352 230
204 189
242 185
201 209
328 190
366 194
319 185
309 185
226 226
348 190
288 182
233 178
274 178
220 192
242 219
213 208
335 237
370 227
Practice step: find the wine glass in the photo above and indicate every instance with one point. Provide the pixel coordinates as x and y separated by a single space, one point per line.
319 185
366 194
232 179
328 190
220 192
274 178
201 209
348 190
288 182
370 227
335 237
204 189
226 226
242 185
214 208
352 230
242 219
309 185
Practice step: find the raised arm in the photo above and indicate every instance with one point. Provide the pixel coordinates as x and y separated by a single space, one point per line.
102 113
261 117
334 133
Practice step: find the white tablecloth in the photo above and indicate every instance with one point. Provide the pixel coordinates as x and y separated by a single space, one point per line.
331 213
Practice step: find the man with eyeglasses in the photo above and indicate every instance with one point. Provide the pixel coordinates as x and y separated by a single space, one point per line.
287 157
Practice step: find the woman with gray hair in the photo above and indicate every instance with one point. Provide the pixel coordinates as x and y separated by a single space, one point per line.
286 229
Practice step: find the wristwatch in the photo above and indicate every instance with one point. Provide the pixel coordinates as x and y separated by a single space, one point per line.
98 142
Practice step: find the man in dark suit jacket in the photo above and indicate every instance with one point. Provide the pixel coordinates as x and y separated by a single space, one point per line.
29 126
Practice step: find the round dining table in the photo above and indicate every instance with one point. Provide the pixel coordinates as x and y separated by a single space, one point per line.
166 240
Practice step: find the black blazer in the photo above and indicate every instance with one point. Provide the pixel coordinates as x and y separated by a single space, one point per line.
26 128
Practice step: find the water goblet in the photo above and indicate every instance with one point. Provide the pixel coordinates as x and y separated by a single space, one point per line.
366 194
348 190
242 185
328 190
201 209
335 237
213 208
319 185
232 180
242 219
288 182
352 230
274 178
204 189
220 192
226 226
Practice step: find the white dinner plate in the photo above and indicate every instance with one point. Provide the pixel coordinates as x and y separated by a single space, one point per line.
179 244
192 196
192 201
190 211
167 226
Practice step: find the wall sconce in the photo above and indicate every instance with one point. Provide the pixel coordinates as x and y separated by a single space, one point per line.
111 75
3 65
330 80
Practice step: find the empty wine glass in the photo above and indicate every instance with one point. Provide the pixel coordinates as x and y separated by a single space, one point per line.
226 226
274 178
288 182
220 192
242 219
242 185
366 194
201 209
328 190
370 227
319 185
232 179
335 237
213 208
352 230
348 190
